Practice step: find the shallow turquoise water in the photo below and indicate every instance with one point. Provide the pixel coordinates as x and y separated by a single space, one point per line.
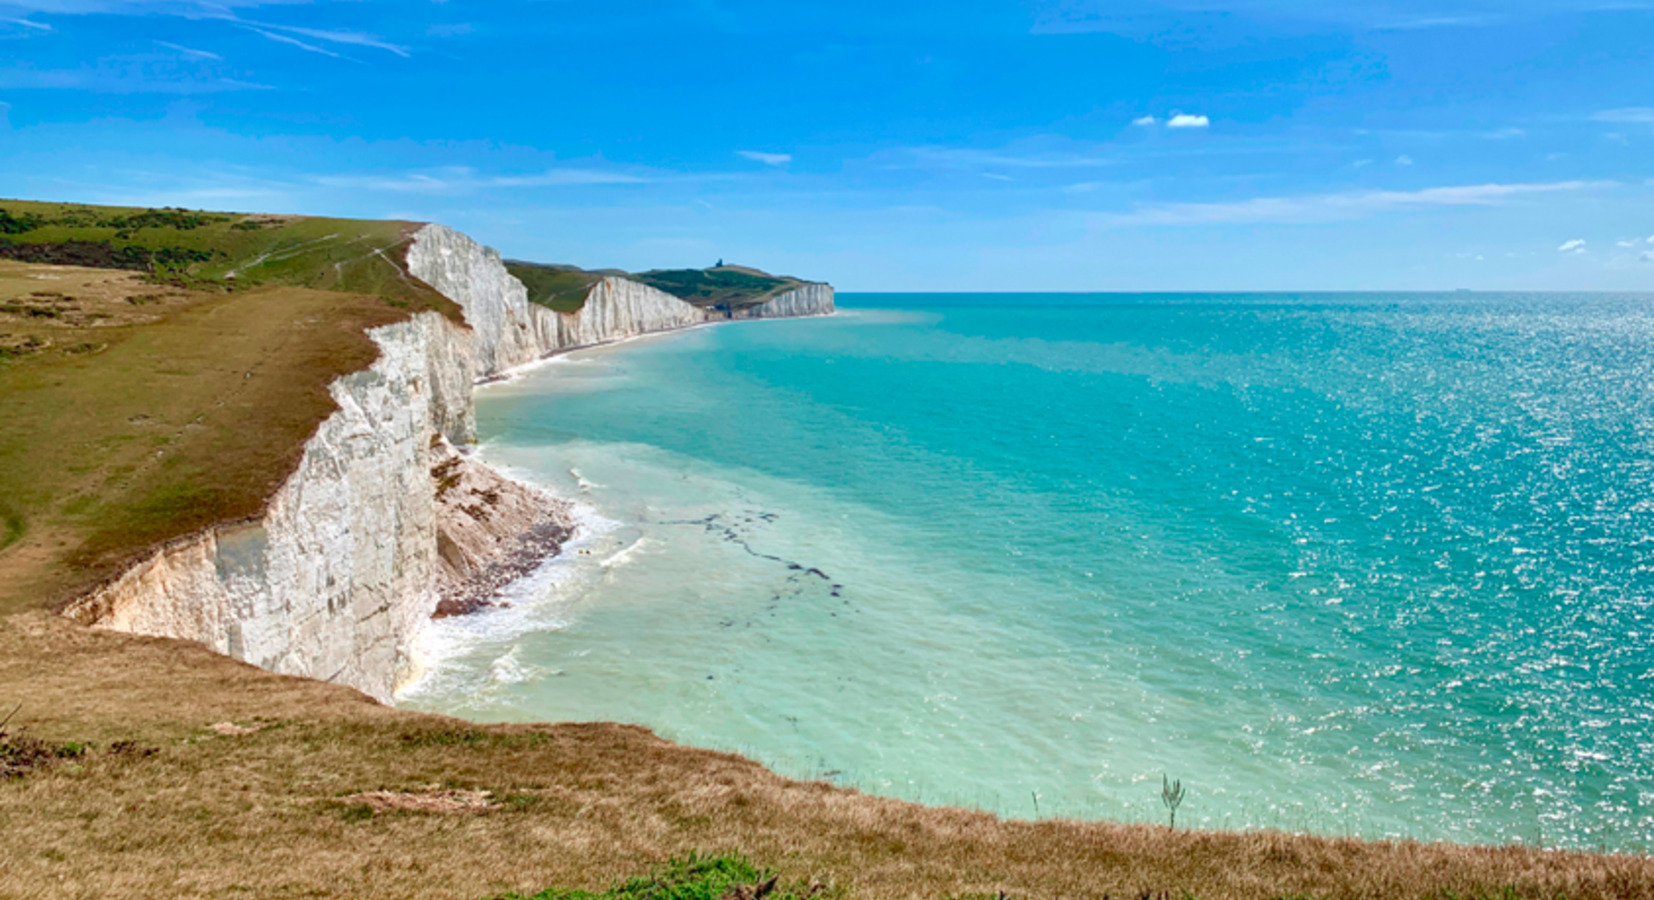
1372 564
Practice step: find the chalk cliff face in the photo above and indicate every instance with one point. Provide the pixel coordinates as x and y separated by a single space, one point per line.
809 300
383 518
512 331
334 579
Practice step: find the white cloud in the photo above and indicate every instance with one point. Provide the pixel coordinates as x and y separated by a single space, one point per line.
1504 134
1145 121
1404 160
1331 207
38 26
1651 239
117 77
1577 245
997 177
1625 244
1646 256
189 51
462 179
768 159
356 38
962 158
295 42
1634 115
1184 120
1362 163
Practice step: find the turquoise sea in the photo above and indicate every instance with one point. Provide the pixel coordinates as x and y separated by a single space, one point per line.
1375 564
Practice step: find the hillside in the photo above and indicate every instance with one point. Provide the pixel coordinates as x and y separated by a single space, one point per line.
188 774
162 369
724 289
556 287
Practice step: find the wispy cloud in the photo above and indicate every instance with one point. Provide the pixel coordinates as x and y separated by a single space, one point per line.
109 78
1331 207
351 38
1629 115
295 42
460 180
1577 245
1504 134
963 158
768 159
1185 120
37 26
1145 121
1404 160
190 51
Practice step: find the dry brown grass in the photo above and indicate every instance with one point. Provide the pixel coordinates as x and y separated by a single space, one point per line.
141 412
274 807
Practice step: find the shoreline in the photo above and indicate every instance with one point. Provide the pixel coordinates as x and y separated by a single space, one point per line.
564 523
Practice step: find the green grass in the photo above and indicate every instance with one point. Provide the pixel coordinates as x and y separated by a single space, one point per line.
161 370
723 287
560 288
692 877
221 251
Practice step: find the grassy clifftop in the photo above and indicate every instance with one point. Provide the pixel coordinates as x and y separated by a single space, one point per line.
727 288
559 288
161 369
721 288
221 251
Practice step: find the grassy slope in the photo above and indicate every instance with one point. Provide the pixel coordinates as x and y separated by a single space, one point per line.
564 288
731 287
560 288
141 406
269 813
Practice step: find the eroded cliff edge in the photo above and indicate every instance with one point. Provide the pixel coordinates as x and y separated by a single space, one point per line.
383 519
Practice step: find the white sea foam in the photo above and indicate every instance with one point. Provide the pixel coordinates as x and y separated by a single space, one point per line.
539 601
625 555
581 482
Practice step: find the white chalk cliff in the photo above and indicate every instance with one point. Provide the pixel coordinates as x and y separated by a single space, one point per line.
808 300
382 517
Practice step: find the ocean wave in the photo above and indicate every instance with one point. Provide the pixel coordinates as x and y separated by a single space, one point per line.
443 651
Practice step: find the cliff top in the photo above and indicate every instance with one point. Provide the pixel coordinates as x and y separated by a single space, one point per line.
222 251
161 370
723 287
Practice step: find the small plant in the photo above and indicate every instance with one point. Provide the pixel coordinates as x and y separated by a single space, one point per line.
697 877
1171 794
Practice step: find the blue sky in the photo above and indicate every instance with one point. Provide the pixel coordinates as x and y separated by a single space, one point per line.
894 145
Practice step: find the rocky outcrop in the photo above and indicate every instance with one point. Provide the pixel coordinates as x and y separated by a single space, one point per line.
512 331
384 520
490 531
334 579
808 300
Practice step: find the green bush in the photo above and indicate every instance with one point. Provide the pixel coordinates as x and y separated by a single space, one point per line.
695 877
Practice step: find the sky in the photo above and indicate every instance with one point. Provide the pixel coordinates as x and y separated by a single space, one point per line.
1019 145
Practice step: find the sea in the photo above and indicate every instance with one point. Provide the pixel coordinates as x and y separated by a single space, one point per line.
1355 564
